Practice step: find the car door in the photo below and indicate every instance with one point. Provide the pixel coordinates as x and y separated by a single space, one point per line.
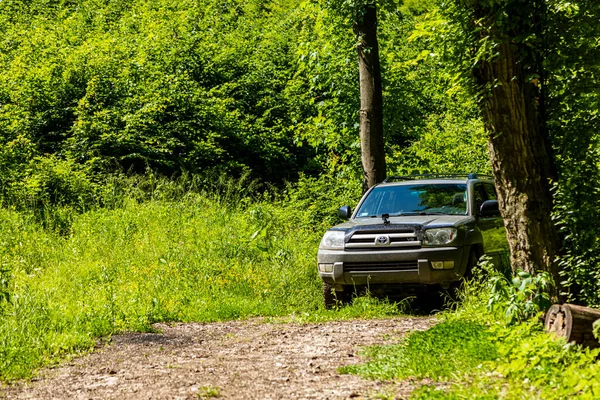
495 233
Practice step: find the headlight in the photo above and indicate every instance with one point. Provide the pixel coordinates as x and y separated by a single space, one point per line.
439 236
333 240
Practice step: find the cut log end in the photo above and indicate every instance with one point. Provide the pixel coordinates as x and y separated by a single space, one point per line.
557 322
572 322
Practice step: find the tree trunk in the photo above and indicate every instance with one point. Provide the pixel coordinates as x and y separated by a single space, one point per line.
371 100
519 153
572 322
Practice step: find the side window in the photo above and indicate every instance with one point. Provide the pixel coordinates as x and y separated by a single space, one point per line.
480 196
490 191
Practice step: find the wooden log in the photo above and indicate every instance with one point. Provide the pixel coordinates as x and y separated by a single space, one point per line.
573 322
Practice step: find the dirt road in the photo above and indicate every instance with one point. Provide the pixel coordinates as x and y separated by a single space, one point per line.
230 360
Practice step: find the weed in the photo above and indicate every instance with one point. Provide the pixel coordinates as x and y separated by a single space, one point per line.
522 298
208 392
4 286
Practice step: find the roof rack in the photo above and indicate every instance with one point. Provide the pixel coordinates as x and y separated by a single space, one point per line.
436 176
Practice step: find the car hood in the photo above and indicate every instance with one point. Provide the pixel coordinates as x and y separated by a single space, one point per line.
429 221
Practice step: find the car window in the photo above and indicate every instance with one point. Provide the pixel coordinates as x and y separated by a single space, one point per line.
480 195
490 191
444 198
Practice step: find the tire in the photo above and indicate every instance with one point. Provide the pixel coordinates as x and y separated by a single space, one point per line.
453 292
331 297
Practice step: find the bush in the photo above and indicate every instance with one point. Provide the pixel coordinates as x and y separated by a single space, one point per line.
315 201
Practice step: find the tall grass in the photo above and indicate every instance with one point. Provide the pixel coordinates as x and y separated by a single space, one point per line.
155 252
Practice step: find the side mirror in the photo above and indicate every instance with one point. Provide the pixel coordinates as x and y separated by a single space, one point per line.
344 212
489 208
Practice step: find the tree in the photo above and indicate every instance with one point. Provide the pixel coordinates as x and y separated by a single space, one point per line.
362 14
371 99
507 41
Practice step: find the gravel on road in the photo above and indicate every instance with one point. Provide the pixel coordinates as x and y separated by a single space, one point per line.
251 359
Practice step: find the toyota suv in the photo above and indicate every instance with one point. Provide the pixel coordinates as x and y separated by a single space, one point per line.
417 231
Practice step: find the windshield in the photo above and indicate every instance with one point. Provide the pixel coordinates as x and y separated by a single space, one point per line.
444 198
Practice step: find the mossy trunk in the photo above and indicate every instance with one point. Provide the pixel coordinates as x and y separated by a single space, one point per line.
371 99
519 153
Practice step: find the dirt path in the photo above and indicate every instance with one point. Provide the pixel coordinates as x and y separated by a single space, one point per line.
230 360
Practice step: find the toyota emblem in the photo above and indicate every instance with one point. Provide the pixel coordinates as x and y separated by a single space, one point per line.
382 240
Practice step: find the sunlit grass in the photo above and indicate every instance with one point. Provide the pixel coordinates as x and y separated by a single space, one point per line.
475 353
444 350
123 269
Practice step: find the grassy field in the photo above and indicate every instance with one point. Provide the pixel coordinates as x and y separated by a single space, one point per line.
70 278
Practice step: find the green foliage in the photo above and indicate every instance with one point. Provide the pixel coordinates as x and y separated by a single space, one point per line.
523 298
316 201
560 54
596 329
474 354
446 145
208 392
4 286
266 89
431 122
158 251
531 365
573 62
182 85
436 353
362 307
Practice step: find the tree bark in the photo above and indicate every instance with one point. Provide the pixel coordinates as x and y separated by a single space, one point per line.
371 99
519 153
574 323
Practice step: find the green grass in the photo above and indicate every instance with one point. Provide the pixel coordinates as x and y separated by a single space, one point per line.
363 307
199 258
476 354
439 352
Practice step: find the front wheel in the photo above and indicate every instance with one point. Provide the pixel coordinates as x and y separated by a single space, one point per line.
331 297
471 264
452 292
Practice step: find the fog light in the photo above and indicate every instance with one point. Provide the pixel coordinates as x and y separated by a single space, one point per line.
442 264
437 264
325 267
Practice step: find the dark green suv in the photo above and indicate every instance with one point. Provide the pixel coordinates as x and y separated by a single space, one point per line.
415 231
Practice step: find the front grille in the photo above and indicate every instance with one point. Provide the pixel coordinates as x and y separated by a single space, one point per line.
383 240
369 267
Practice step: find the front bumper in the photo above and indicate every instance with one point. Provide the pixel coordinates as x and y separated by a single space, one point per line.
392 266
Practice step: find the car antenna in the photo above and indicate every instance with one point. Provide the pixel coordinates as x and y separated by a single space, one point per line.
385 218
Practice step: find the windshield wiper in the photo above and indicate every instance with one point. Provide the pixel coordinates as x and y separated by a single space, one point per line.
400 214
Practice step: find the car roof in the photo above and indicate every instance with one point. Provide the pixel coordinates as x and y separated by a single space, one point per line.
434 181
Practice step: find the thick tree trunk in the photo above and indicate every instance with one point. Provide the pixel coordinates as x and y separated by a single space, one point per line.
520 158
574 323
371 100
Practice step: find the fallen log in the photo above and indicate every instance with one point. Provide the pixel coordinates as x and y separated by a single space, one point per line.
572 322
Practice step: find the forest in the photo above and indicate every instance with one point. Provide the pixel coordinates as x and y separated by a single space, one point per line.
179 161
